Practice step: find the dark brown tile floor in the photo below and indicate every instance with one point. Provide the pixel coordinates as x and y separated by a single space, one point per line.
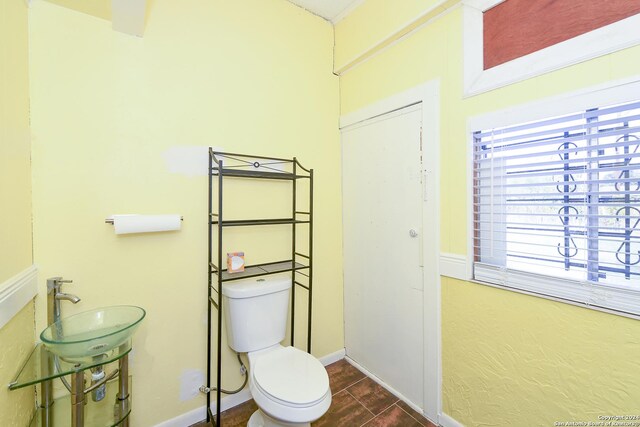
357 401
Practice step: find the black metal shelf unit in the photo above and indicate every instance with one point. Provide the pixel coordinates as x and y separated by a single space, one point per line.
230 165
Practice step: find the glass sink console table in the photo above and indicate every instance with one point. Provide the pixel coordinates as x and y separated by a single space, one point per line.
42 367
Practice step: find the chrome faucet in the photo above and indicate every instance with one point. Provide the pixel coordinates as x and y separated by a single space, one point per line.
54 296
50 364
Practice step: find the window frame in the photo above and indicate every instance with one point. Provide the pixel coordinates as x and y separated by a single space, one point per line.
602 41
603 297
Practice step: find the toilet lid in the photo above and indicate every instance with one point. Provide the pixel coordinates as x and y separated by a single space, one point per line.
291 375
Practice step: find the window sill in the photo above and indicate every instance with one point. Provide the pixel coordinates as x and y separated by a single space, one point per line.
608 299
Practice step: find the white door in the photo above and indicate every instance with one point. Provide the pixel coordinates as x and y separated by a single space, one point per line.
382 220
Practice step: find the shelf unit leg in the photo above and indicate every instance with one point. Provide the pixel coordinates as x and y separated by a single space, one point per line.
77 399
310 293
293 254
219 343
209 272
122 398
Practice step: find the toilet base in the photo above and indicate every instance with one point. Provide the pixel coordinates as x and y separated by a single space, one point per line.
260 419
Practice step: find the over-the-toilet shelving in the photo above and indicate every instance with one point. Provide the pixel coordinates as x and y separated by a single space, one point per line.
222 167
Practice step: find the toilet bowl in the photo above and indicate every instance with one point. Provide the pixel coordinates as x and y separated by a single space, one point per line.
290 386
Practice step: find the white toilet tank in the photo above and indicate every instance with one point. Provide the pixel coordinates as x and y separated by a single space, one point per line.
256 311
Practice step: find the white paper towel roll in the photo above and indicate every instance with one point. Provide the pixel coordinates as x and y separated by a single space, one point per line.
125 224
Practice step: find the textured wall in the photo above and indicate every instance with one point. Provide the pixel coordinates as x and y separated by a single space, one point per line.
508 359
17 336
16 341
512 359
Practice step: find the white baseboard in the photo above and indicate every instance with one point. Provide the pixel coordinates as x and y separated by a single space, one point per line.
16 292
447 421
332 357
200 414
386 386
231 400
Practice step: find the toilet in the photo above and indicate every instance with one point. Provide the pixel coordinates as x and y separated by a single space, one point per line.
290 386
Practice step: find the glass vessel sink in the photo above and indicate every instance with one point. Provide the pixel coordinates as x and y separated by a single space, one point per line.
91 333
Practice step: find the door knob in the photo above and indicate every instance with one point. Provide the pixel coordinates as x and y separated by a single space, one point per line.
413 233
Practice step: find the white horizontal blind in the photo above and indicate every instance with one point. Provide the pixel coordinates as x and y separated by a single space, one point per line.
557 206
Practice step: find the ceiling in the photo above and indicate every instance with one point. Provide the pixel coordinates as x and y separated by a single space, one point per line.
331 10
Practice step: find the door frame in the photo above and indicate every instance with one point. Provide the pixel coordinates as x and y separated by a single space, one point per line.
428 95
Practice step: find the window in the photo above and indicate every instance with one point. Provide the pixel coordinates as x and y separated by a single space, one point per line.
515 28
557 206
610 32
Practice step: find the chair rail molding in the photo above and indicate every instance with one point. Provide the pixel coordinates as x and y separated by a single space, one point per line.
455 266
16 292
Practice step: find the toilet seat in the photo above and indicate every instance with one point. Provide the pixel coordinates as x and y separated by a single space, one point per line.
291 377
290 385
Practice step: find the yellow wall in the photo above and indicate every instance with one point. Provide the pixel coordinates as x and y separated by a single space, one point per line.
369 25
248 76
16 337
97 8
15 169
511 359
508 359
16 341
